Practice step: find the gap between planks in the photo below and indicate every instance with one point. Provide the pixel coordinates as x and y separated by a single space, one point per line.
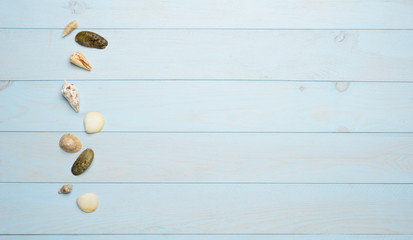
222 29
212 183
207 80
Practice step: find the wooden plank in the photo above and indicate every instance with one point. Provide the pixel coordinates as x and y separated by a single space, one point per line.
209 209
211 237
229 106
212 54
208 14
214 157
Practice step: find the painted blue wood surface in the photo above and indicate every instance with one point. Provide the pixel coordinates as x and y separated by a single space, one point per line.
212 157
327 55
206 136
301 14
228 106
211 237
210 209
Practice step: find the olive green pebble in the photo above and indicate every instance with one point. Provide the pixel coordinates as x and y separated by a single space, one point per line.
83 162
91 39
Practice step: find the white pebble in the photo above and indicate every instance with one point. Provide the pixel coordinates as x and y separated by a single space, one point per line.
93 122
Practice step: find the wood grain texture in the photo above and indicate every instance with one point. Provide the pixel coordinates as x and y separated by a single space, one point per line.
230 106
210 237
212 54
193 93
208 14
209 209
215 157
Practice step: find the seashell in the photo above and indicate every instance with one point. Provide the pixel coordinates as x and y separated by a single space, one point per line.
69 28
78 59
88 202
71 94
83 162
70 143
91 39
93 122
67 188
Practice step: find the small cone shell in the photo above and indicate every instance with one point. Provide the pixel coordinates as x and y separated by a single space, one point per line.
65 189
79 60
69 28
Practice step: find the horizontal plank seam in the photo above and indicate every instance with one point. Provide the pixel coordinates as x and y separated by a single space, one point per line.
199 132
202 234
204 80
211 183
218 29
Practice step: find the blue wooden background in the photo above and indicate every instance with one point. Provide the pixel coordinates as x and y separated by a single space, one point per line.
225 119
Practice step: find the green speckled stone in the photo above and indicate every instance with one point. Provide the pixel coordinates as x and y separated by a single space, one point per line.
91 39
83 162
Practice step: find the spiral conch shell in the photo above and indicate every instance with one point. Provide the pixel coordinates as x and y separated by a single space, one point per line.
65 189
71 94
69 28
79 60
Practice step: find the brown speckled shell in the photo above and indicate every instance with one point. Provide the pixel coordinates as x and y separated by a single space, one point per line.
91 39
70 143
65 189
83 162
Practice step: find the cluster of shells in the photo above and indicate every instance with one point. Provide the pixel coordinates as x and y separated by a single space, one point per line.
93 121
87 39
70 143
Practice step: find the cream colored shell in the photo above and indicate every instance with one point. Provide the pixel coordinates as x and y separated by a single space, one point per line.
88 202
79 60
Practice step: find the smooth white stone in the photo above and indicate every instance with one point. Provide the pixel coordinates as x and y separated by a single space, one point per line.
93 122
